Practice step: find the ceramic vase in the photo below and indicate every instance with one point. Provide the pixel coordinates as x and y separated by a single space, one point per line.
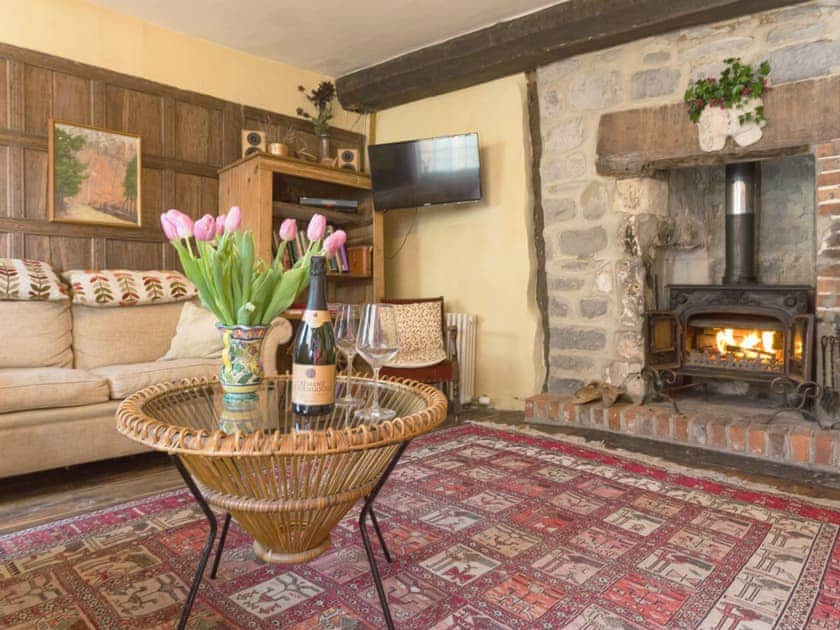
241 377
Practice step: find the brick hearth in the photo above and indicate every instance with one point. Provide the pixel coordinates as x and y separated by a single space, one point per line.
740 430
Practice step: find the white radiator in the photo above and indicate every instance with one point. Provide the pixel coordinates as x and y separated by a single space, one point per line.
466 325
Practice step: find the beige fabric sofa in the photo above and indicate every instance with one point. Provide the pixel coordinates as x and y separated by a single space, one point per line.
64 369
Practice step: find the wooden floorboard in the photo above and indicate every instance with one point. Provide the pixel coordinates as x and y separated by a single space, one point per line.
39 498
53 495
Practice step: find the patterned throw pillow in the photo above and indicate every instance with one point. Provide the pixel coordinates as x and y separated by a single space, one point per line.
121 287
419 329
29 280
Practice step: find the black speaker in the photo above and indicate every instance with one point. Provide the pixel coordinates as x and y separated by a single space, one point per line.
252 141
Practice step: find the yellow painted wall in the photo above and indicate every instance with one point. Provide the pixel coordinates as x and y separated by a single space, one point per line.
85 32
480 256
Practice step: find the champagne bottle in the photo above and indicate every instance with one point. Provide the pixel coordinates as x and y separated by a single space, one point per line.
313 367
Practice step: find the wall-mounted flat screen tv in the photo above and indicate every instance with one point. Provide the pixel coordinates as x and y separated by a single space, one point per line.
425 172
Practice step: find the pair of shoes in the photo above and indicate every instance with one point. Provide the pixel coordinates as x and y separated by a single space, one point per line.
594 390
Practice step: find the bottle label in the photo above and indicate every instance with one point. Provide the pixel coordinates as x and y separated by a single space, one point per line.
316 319
313 384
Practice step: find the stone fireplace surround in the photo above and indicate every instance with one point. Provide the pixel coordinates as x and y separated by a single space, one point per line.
597 286
743 429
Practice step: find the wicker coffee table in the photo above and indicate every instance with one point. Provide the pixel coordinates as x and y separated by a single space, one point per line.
287 480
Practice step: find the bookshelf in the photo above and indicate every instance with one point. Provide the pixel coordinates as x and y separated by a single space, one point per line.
303 213
267 188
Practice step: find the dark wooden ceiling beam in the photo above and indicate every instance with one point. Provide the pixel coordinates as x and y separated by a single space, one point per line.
642 141
525 43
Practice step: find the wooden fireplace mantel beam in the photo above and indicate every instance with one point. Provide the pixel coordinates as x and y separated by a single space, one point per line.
525 43
642 141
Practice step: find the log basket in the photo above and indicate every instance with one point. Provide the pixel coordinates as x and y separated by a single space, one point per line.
291 480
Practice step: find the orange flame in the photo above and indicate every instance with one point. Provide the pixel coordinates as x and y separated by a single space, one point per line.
725 340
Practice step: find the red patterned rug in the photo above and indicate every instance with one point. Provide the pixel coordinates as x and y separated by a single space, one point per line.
490 529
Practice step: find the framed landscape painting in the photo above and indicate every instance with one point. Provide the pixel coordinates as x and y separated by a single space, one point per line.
94 175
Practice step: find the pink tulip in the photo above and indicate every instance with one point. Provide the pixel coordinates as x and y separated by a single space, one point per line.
220 224
334 242
288 230
205 228
233 219
168 226
172 213
183 225
317 227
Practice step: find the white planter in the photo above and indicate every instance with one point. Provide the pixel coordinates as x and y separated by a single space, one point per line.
749 132
713 128
717 124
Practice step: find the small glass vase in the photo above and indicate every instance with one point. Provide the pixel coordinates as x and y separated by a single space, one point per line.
241 377
324 147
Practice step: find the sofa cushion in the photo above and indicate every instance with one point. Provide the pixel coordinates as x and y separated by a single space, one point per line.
35 334
41 388
196 335
29 280
111 336
64 436
124 380
123 287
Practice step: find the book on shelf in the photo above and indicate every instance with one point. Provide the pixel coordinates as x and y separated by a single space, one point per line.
344 205
339 263
359 259
345 262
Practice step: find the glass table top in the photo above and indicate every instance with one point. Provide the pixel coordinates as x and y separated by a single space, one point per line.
201 407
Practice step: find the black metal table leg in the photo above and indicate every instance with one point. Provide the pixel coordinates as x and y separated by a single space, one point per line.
367 509
221 546
208 546
379 535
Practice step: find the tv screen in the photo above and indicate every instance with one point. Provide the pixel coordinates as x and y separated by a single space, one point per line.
425 172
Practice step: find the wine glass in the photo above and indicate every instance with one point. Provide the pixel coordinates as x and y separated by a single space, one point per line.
346 330
378 343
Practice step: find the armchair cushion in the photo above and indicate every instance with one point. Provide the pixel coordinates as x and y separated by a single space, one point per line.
419 326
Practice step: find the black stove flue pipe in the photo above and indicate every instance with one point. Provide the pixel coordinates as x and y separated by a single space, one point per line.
742 207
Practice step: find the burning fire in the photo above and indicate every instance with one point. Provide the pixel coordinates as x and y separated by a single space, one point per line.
752 342
736 348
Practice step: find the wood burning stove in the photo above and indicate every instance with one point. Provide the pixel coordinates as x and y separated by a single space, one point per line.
738 330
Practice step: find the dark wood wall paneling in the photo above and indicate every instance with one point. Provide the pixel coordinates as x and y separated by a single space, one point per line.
186 138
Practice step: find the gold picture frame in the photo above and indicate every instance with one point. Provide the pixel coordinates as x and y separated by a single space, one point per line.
95 175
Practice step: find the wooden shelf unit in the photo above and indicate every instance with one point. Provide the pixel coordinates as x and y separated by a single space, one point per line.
285 210
267 188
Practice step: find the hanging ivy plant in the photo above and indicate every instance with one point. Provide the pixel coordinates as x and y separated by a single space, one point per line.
738 83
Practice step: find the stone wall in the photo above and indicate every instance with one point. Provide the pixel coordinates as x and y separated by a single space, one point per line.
602 234
694 250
